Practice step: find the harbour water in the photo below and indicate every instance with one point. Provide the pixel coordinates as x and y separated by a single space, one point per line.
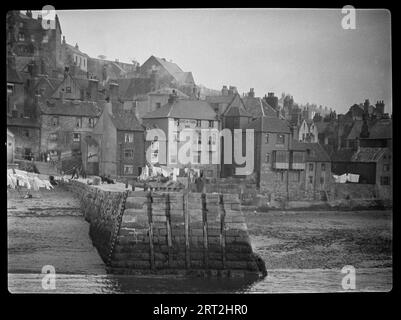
43 235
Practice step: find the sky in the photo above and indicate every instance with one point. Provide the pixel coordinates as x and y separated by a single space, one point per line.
305 53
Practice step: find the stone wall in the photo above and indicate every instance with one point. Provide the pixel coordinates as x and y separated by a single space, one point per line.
169 232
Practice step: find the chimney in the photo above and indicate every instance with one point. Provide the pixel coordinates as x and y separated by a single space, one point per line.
66 71
251 93
272 100
113 89
366 105
29 13
76 46
380 107
224 91
39 17
173 97
232 90
108 107
63 39
93 88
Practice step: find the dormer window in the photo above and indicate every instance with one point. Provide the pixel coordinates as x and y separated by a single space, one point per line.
21 37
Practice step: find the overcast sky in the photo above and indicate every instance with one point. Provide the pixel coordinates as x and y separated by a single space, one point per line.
306 53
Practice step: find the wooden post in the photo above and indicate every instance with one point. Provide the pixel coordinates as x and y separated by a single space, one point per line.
152 252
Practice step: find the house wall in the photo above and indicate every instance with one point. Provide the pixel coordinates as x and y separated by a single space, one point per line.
22 141
106 135
64 131
385 191
138 147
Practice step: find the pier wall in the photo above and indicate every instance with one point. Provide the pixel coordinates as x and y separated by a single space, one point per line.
169 232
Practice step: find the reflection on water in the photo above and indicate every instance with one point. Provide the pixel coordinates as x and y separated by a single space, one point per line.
278 281
61 239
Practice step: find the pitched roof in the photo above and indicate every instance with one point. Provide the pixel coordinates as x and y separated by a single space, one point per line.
22 122
342 155
12 75
219 99
70 108
168 91
122 119
355 130
75 50
174 70
184 109
258 107
368 154
132 87
236 108
382 129
314 151
270 124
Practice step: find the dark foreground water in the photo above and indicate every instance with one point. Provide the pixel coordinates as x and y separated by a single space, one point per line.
59 237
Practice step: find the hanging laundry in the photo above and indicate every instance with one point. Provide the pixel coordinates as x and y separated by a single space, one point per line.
353 178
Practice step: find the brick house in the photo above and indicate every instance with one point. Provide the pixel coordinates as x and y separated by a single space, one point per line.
27 38
121 141
20 120
65 123
272 138
175 116
311 166
169 74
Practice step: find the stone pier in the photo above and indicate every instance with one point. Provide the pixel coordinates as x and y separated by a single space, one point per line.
141 232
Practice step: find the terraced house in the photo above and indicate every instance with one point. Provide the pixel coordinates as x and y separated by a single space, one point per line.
120 138
172 119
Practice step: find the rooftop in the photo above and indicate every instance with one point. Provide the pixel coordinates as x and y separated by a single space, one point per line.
184 109
316 151
270 124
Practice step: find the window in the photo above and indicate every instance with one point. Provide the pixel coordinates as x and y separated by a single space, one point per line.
310 166
158 105
76 137
21 24
10 88
280 139
267 158
310 179
53 136
267 138
386 167
322 180
385 181
198 123
281 176
21 37
129 137
25 133
91 123
128 169
32 38
45 38
68 89
55 121
78 122
128 153
323 167
177 122
211 123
